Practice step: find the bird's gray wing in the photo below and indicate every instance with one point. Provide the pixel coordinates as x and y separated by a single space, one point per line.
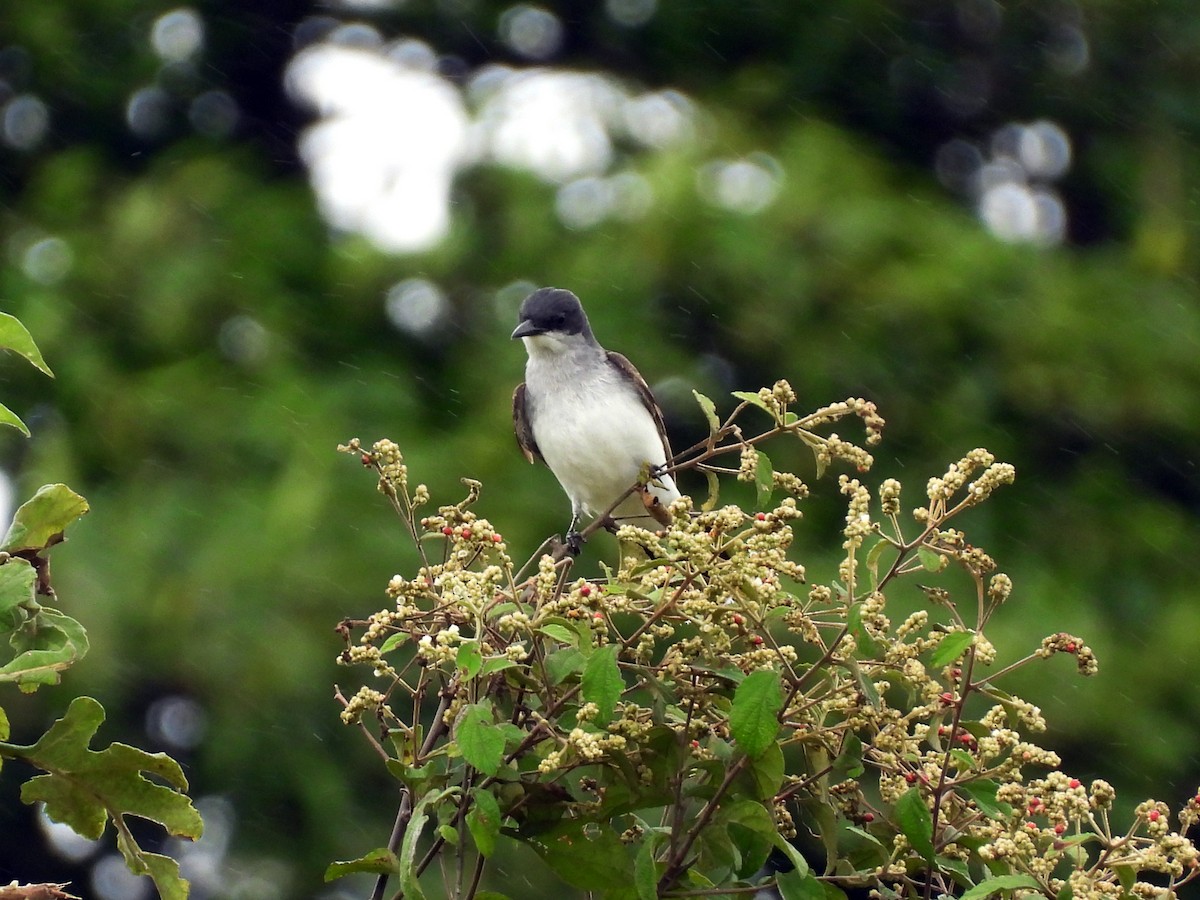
523 429
625 367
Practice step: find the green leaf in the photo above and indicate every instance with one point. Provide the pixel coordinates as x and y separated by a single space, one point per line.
469 658
560 633
41 520
753 399
496 664
794 856
767 770
753 719
381 861
865 640
951 647
764 483
916 822
85 788
15 337
710 411
585 856
983 792
714 491
849 763
409 884
751 831
479 740
393 641
1000 883
645 870
47 643
448 833
491 895
483 820
873 556
602 683
8 417
562 663
796 886
17 602
931 560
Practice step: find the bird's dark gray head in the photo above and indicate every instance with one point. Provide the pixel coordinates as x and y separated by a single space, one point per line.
552 311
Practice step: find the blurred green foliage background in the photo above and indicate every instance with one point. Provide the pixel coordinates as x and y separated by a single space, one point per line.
822 216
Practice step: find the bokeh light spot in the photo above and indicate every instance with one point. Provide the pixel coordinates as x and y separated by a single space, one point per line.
531 31
63 840
48 260
148 112
417 307
743 185
24 122
176 721
213 114
112 880
631 13
243 340
177 35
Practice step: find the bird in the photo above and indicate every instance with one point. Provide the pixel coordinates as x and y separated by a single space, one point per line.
589 415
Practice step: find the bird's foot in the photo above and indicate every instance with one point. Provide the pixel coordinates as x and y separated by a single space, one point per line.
574 543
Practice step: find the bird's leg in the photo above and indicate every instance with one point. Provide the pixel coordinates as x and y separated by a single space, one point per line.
574 538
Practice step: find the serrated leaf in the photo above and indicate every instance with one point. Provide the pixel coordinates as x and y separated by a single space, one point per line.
479 740
40 521
10 418
931 560
85 788
602 683
483 821
753 720
380 861
710 411
469 658
16 337
951 647
992 886
764 482
916 822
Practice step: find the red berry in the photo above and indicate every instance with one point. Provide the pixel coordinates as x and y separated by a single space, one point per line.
965 739
1032 826
956 673
447 531
1153 815
910 778
757 640
599 617
496 539
737 619
466 531
868 817
762 517
1070 647
1060 828
585 590
366 460
947 697
1074 782
695 745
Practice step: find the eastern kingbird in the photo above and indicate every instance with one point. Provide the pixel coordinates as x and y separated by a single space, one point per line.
586 413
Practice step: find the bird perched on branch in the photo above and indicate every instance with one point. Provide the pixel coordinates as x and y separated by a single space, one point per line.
587 414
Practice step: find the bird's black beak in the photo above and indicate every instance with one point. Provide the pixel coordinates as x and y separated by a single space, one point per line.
526 329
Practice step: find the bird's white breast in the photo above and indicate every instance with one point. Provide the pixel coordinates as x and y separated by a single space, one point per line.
592 429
